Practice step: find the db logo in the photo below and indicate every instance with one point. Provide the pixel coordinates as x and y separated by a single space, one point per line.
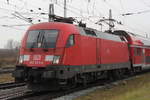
37 57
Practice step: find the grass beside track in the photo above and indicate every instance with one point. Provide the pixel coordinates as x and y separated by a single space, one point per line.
7 62
8 57
6 78
135 89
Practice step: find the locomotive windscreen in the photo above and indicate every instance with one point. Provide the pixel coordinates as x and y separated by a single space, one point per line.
42 39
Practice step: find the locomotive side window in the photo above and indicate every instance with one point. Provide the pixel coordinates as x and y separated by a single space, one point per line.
90 32
70 41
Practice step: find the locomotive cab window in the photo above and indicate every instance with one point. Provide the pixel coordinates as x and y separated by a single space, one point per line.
70 41
46 38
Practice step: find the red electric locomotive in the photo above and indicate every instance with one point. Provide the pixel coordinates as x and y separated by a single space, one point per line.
58 54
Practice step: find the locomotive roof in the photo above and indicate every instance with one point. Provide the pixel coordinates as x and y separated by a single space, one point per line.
104 35
46 25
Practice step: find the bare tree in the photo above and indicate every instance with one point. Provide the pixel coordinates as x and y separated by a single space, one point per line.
12 44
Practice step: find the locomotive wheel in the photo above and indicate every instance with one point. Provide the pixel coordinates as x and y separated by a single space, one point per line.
119 74
115 74
70 83
84 81
110 75
73 82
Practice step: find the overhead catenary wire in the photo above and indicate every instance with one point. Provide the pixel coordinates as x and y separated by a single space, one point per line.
4 9
14 6
10 4
13 28
18 15
15 25
88 17
121 4
72 11
111 6
5 17
75 11
133 13
70 8
18 10
26 13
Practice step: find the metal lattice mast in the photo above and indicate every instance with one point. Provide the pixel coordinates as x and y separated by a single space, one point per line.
65 8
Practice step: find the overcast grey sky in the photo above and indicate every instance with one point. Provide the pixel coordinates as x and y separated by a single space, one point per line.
82 9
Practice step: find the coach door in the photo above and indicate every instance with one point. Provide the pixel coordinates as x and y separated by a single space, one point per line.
138 57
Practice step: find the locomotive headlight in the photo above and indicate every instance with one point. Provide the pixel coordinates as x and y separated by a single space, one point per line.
21 59
56 59
49 58
26 58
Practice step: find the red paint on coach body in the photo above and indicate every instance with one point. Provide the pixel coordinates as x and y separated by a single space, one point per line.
147 54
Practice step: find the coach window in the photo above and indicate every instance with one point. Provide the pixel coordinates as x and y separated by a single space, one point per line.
137 51
90 32
70 41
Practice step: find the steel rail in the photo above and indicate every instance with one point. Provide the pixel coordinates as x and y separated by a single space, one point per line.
6 70
9 85
22 93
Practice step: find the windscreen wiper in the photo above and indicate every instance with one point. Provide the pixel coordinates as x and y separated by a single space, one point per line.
36 43
39 40
44 43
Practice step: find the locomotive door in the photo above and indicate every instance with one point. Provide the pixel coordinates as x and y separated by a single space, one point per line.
98 54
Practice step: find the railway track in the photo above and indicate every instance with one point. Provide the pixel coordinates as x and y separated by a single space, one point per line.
9 85
6 70
8 94
60 93
56 94
22 93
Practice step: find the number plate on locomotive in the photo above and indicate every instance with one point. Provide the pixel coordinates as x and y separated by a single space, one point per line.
36 62
37 57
